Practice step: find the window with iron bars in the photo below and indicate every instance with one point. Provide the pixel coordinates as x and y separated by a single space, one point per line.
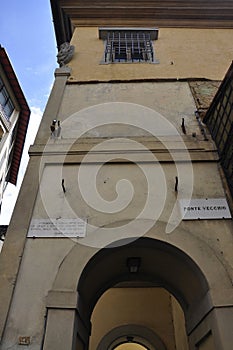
129 45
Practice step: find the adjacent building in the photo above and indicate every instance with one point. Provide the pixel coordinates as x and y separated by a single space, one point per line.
122 233
14 118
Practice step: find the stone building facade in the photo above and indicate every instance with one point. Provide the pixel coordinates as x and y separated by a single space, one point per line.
125 240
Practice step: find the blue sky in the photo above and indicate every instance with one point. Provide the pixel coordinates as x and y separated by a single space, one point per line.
27 34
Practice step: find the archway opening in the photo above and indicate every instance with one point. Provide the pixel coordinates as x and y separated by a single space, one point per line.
130 346
138 313
147 283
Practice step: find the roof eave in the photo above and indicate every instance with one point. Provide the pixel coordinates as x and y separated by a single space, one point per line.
62 24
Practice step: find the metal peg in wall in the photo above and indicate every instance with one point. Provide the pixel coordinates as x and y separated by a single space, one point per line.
176 184
53 126
58 128
183 126
63 185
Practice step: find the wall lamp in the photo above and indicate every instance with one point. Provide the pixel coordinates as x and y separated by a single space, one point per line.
129 339
133 264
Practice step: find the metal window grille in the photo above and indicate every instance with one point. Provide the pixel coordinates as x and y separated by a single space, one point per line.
128 47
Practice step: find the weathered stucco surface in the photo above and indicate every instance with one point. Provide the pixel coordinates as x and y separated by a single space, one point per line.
182 53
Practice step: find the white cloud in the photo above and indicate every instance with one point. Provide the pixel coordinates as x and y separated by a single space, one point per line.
12 191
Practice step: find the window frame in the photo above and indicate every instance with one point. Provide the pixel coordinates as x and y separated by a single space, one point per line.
7 105
133 45
219 119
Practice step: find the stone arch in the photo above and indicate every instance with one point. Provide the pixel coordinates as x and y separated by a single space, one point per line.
83 277
161 264
80 255
149 339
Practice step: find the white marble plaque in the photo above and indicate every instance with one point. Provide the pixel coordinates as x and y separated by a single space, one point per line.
207 208
57 228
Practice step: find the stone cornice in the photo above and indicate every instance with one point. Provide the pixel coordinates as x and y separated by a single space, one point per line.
160 13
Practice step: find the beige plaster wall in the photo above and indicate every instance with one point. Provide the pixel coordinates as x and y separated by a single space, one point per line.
213 239
149 307
28 308
179 326
42 257
172 100
52 202
207 343
143 104
130 347
194 53
211 235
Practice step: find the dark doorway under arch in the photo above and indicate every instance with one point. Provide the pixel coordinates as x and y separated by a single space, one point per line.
135 336
161 264
133 346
